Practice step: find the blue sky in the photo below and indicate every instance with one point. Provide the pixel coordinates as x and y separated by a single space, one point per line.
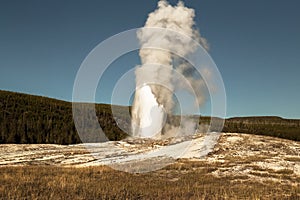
255 45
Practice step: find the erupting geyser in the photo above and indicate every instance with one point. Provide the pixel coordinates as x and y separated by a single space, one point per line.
148 113
155 82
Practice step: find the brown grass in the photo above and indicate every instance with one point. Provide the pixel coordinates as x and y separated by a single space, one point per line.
293 159
184 180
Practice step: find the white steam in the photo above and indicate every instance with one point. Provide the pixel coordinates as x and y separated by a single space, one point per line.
154 103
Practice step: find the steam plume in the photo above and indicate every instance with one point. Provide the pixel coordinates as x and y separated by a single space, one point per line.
154 103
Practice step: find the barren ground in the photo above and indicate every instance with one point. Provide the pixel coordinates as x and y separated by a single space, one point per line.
239 166
240 154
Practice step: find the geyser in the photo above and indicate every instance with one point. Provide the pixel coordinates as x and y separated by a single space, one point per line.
154 103
148 112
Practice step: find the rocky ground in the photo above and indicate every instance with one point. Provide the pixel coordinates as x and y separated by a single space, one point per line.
242 156
126 151
257 157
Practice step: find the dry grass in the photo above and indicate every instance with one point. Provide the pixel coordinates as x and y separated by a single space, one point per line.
293 159
182 180
241 167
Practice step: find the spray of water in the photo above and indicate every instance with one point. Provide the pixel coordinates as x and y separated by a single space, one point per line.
154 103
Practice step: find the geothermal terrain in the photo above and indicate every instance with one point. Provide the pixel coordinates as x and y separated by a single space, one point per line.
214 166
229 165
242 155
113 152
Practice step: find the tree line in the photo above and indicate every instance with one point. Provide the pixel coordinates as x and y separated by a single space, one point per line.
34 119
29 119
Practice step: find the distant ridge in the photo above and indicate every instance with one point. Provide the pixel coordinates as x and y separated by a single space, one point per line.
26 118
265 125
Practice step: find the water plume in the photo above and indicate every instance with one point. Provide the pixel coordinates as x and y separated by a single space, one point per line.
154 103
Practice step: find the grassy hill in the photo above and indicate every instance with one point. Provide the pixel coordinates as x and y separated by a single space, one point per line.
34 119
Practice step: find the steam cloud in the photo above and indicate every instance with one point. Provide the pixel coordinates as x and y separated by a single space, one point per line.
156 78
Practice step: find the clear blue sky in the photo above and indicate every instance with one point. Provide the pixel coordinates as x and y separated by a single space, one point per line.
255 44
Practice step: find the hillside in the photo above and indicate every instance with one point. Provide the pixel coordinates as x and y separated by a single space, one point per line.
271 126
34 119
